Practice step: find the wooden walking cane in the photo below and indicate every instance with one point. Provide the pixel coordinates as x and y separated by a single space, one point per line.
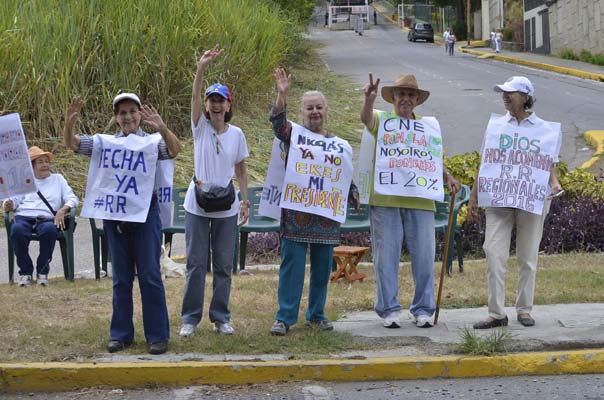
445 255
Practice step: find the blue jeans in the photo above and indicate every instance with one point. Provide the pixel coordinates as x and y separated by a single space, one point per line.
199 231
20 234
137 247
291 280
389 226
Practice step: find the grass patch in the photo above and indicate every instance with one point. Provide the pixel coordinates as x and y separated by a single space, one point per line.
70 321
495 342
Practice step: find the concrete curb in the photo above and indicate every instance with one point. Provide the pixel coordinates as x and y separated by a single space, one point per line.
534 64
596 139
69 376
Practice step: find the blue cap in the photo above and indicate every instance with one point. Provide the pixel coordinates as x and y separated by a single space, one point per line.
219 89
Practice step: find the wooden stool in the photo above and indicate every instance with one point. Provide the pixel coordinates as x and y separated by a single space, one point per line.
347 258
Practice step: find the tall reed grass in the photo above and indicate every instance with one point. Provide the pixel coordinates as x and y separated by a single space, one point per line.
52 50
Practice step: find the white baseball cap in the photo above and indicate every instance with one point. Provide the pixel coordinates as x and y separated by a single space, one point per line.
516 84
126 96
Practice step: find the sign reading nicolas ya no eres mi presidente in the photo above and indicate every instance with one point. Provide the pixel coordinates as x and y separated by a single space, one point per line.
516 161
318 174
121 177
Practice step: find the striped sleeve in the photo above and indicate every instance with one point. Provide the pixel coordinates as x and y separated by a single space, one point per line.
85 148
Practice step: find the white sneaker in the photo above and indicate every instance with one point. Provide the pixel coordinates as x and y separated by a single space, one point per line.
42 280
224 328
187 330
25 280
423 321
392 320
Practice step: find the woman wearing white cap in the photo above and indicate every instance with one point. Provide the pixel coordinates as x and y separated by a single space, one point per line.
133 246
211 205
516 180
33 215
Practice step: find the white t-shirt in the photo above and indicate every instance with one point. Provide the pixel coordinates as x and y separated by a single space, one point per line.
57 192
215 158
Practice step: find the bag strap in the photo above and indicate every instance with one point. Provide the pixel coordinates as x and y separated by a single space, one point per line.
52 210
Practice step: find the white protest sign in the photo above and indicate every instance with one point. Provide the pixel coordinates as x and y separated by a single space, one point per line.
121 177
271 190
318 174
16 173
362 174
163 189
408 157
516 161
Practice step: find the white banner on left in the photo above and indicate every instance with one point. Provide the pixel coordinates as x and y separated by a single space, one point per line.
121 177
16 173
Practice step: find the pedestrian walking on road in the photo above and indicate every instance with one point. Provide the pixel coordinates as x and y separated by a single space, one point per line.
134 247
301 230
498 40
374 17
220 150
516 191
404 215
451 42
446 39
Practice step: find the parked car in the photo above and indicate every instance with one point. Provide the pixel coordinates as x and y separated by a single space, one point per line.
421 31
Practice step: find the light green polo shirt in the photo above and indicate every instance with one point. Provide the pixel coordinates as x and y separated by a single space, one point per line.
382 200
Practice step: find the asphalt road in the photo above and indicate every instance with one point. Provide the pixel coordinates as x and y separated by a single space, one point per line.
461 86
567 387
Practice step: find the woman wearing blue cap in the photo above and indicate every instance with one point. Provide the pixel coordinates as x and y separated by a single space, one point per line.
211 204
134 247
515 182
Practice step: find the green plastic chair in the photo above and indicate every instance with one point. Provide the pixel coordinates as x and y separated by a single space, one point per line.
256 223
178 216
99 248
356 222
65 239
440 223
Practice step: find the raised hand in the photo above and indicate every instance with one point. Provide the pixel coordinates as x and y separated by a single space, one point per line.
209 55
73 112
371 89
282 80
152 118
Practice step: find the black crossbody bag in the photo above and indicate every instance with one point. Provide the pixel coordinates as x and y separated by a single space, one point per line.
52 210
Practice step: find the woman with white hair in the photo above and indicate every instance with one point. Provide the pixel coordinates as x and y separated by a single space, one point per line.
302 230
516 180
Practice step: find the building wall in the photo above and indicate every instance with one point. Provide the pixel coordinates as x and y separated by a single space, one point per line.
577 25
492 17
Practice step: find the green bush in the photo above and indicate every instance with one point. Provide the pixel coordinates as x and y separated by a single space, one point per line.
598 59
55 49
460 30
507 34
585 56
568 54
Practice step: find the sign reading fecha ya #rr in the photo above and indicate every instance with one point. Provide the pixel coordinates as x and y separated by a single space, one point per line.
408 158
121 177
318 174
164 177
270 201
16 173
516 161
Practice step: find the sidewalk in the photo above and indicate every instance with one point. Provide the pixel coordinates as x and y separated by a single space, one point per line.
412 353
